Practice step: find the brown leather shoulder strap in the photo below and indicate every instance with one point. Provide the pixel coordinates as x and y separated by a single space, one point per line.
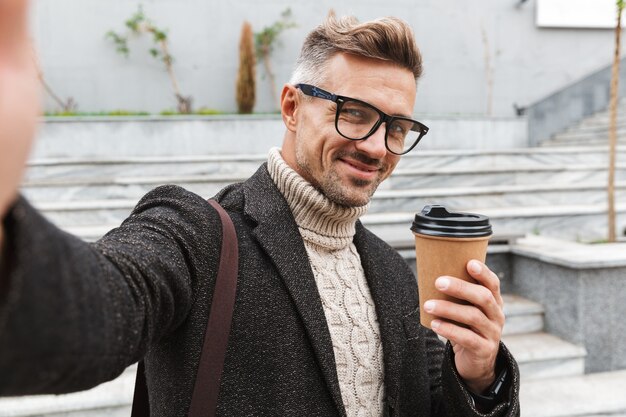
207 384
141 404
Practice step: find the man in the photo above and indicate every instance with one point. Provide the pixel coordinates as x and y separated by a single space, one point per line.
325 320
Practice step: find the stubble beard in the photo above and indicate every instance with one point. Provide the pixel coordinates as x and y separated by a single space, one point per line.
332 185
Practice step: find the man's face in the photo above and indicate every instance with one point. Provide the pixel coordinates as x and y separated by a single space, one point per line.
346 171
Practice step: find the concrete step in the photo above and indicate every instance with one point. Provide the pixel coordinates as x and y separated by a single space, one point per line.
514 174
111 399
542 201
92 219
522 315
508 158
424 182
602 118
576 222
592 141
422 162
542 355
595 127
598 125
86 213
396 195
589 133
599 394
495 196
596 142
587 139
109 167
122 188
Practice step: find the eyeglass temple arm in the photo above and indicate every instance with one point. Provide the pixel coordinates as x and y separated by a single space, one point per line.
313 91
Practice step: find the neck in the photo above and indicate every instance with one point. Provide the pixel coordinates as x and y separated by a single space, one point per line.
314 213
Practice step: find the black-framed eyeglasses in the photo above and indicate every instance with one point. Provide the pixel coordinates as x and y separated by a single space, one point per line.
358 120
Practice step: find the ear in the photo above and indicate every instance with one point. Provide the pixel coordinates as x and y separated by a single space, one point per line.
289 102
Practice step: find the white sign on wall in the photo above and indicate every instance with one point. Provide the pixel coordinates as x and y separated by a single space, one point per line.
591 14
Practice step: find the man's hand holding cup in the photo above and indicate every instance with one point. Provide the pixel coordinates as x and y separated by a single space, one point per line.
459 295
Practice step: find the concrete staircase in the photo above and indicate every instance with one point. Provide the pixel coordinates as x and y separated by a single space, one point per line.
539 355
591 131
556 190
553 383
549 191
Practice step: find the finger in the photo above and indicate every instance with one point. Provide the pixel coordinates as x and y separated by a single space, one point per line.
481 273
463 337
468 315
475 294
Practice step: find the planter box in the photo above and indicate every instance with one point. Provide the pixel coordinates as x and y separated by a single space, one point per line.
79 137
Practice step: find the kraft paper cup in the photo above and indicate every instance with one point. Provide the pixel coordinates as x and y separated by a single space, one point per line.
444 243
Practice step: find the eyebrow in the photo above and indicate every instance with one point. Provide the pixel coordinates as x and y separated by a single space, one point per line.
410 116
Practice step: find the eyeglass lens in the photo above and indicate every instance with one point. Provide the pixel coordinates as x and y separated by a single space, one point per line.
356 121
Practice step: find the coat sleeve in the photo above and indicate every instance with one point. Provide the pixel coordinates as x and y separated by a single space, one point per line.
74 314
452 397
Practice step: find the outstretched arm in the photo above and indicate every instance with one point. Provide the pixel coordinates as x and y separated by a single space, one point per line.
76 314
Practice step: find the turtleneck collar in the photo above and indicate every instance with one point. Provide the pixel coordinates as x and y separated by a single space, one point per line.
320 220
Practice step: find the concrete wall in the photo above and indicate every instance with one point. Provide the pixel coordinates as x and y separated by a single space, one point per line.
528 63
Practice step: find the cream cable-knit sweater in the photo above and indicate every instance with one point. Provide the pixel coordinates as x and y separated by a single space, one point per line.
327 230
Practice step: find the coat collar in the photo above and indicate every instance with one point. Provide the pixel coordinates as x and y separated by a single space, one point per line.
277 232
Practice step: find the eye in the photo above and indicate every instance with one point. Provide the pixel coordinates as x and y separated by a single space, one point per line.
398 129
353 112
356 112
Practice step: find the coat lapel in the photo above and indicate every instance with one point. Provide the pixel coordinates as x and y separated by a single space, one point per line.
380 274
278 235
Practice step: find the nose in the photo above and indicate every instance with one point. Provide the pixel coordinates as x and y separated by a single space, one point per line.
374 146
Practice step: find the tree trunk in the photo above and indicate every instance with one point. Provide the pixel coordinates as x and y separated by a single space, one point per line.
613 128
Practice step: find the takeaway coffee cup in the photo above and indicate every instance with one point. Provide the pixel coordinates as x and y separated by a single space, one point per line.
444 243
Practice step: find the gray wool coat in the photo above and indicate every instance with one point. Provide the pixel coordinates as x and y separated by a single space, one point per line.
73 314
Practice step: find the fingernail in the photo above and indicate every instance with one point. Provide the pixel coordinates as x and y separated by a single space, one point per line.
429 306
435 324
442 283
475 267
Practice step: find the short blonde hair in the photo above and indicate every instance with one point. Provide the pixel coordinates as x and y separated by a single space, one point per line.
390 39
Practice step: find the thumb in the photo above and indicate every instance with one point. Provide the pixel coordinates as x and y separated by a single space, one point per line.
13 22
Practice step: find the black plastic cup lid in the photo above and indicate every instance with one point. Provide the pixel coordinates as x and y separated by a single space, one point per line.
436 220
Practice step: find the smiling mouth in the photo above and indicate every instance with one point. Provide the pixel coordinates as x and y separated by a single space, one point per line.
360 166
359 172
